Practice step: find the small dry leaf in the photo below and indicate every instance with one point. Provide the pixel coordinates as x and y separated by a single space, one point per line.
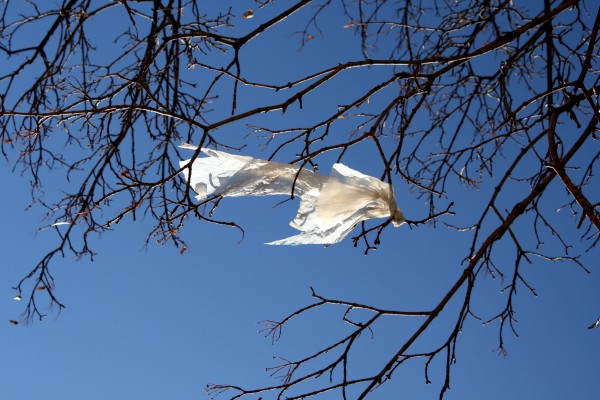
12 321
41 287
17 297
183 250
6 141
81 15
125 173
248 14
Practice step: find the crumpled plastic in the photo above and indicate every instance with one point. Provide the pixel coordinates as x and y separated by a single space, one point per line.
330 207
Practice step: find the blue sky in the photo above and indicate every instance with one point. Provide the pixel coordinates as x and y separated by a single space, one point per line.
154 324
150 323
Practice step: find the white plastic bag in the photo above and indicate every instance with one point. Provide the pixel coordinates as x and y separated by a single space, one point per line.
330 207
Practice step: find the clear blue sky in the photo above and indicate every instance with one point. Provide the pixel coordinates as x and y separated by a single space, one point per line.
149 323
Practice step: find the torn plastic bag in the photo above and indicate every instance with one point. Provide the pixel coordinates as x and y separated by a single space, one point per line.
330 207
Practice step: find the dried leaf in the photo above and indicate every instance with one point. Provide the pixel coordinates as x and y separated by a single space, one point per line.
12 321
17 297
248 14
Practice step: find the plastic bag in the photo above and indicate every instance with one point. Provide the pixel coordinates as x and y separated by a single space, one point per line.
330 207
